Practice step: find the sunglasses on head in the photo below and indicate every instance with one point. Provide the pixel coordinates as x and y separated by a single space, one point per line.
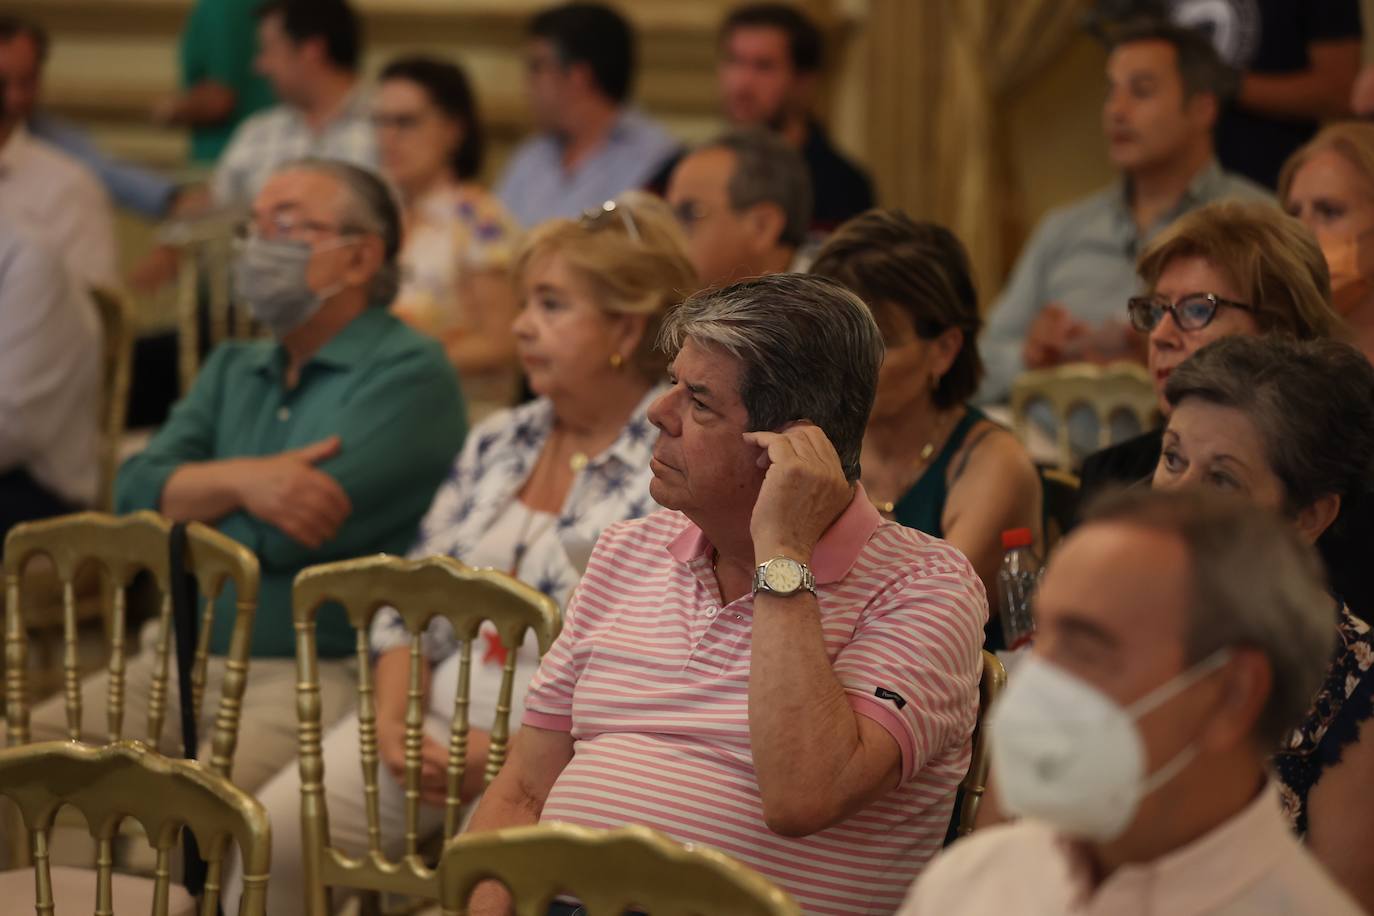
1192 312
596 217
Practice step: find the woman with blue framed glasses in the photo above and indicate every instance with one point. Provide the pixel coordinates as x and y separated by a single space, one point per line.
1228 268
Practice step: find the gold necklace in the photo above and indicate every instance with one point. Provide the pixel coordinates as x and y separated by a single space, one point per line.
886 507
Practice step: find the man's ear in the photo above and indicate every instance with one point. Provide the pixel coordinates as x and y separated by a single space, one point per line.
1202 108
766 221
368 258
1249 679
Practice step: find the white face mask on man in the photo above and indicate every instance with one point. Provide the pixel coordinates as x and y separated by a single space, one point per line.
1065 753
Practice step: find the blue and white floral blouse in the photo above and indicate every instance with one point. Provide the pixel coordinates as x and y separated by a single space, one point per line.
495 462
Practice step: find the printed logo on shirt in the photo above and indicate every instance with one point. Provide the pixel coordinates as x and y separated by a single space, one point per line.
883 693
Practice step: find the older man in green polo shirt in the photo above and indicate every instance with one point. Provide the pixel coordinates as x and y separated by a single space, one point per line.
325 443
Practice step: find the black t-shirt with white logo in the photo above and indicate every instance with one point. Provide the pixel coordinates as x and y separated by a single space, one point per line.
1269 37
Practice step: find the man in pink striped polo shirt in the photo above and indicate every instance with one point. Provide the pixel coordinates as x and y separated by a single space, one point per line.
767 666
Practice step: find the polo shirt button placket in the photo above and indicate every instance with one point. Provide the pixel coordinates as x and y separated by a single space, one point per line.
283 413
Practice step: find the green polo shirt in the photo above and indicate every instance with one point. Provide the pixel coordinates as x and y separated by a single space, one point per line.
391 396
220 43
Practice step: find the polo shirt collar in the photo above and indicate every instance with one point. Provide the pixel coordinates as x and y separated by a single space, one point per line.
835 553
344 350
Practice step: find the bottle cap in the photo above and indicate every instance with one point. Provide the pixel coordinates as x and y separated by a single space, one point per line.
1017 537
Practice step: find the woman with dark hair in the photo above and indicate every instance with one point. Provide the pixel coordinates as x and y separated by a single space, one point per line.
459 239
1290 426
930 460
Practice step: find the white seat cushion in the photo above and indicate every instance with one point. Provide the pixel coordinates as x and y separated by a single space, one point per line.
73 890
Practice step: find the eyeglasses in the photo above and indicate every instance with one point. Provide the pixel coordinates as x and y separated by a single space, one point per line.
1191 313
291 229
689 213
597 217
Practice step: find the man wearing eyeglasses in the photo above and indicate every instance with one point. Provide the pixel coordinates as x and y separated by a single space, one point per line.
324 443
1063 302
744 202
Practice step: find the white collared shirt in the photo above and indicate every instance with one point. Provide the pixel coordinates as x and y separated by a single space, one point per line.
49 369
1250 865
49 194
281 134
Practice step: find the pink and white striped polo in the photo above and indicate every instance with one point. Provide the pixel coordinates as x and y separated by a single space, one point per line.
651 677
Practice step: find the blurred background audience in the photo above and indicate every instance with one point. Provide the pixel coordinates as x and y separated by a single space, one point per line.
480 212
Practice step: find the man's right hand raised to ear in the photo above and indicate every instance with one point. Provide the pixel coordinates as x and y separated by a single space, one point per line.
290 493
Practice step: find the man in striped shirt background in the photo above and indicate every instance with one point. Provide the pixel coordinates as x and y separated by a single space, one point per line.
766 666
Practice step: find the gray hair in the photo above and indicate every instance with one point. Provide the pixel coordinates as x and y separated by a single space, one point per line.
1312 403
369 207
1254 584
769 170
809 350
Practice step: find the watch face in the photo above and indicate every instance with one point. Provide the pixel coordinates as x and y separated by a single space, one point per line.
783 575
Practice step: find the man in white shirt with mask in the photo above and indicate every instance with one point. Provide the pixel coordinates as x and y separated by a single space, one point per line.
1180 636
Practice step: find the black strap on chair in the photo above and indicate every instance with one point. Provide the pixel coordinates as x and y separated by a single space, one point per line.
184 601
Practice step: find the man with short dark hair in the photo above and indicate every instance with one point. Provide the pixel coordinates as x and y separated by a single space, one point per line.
766 667
1066 298
744 201
591 145
768 75
309 50
1181 635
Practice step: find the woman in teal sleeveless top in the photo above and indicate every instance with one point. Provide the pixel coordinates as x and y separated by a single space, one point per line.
930 461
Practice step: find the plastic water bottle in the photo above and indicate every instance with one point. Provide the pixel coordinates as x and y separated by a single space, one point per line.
1017 580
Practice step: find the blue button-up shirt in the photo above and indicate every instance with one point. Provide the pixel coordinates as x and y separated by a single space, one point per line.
536 187
145 192
1083 256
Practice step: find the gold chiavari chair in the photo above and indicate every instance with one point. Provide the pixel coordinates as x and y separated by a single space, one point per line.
117 322
108 785
1106 390
975 783
122 547
419 590
608 871
205 306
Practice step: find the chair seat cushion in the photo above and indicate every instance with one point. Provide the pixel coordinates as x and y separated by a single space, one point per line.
73 890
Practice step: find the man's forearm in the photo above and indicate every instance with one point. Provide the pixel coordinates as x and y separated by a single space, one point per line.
804 734
205 491
505 804
1298 96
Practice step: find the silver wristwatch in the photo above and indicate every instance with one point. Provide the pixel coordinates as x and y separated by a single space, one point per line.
784 577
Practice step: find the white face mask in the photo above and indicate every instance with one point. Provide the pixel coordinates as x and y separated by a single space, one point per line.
1065 753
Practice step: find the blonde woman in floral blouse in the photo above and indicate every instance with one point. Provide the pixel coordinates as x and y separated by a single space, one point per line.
1291 425
459 239
530 493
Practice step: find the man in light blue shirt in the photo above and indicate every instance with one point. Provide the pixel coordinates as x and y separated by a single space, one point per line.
1066 299
591 145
